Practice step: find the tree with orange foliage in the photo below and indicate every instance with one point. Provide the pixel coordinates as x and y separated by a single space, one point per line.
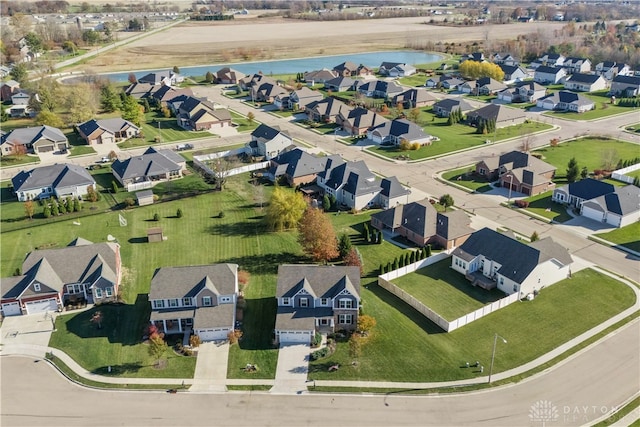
317 236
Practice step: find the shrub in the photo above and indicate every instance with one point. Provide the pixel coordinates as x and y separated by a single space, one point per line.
319 354
156 217
221 214
522 203
129 202
415 146
194 340
179 213
234 336
317 340
187 352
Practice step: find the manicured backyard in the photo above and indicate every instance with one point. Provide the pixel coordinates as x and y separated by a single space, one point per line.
594 153
628 236
531 328
466 178
446 291
158 128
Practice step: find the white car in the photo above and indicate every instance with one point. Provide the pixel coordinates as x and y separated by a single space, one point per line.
104 160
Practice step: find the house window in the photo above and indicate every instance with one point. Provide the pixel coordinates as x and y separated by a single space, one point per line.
286 301
324 301
304 302
324 322
515 288
36 287
98 293
206 301
345 303
501 280
345 319
225 299
186 301
188 322
482 171
173 302
108 292
158 303
74 289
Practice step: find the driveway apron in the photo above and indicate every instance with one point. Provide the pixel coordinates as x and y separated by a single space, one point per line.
292 370
211 367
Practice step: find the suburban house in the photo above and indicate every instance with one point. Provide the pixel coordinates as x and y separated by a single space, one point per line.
396 69
315 298
420 223
522 172
20 105
601 201
163 94
8 89
199 114
513 73
358 120
350 69
269 142
504 59
626 86
585 82
549 75
397 130
249 81
21 97
107 130
319 76
566 101
392 192
356 187
340 84
298 99
59 180
152 167
140 90
499 114
52 278
439 81
528 91
474 56
198 298
414 97
482 86
576 65
610 69
325 110
549 60
452 83
444 107
167 78
228 76
490 259
37 139
266 90
297 166
380 89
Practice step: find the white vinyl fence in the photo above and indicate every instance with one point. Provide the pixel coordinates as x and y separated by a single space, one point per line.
621 174
201 162
135 186
384 281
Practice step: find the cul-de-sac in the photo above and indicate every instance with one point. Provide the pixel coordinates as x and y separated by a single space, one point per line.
320 213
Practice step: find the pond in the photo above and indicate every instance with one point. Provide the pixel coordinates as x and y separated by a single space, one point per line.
293 66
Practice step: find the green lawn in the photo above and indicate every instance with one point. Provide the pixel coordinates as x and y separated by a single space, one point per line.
531 328
243 123
634 128
9 161
416 80
165 129
628 236
468 179
542 205
594 153
604 108
456 137
446 291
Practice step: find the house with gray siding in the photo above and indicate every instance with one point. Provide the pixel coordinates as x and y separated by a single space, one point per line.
37 139
152 167
268 142
59 180
315 298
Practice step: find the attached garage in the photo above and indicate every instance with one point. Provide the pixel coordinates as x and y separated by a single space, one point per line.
41 306
11 309
285 337
592 211
217 334
44 148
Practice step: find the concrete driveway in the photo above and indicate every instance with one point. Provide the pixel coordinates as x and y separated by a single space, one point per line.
34 329
292 369
211 367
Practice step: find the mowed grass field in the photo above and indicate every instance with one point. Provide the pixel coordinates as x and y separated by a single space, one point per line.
446 291
594 153
405 346
628 236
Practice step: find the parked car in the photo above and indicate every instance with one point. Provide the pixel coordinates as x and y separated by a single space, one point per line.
182 147
104 160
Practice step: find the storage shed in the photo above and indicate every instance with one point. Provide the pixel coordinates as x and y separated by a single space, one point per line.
145 197
155 234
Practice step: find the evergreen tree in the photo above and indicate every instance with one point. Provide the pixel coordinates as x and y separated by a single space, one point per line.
428 253
344 245
326 203
572 170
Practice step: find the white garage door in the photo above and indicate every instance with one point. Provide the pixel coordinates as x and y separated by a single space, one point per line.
592 214
295 337
41 306
212 334
11 309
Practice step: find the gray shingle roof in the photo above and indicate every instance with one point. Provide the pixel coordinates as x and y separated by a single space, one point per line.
453 224
298 162
214 317
55 176
324 281
497 112
188 281
299 319
30 135
584 78
588 188
517 259
150 163
392 188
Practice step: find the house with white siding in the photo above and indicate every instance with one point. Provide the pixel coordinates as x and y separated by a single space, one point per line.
585 82
549 75
490 259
